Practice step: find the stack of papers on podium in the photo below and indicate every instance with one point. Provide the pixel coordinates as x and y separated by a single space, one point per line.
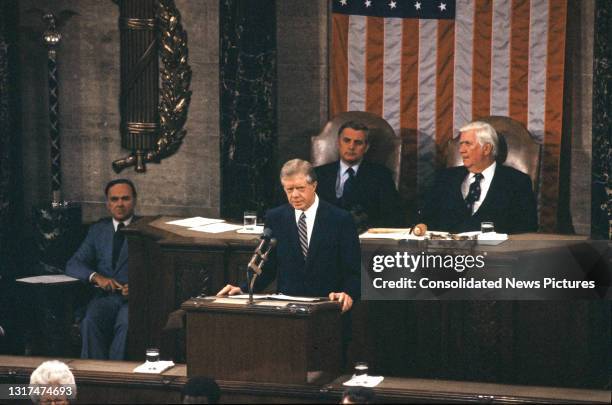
48 279
154 367
280 297
206 225
195 221
216 228
492 238
389 233
364 381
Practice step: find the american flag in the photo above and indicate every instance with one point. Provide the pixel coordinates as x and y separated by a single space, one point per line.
430 66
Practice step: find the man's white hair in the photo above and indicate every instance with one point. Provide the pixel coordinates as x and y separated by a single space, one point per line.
485 133
52 372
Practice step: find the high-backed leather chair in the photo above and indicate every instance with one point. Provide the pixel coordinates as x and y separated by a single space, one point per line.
385 144
517 148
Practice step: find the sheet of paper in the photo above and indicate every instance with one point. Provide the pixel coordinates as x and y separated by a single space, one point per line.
216 228
226 300
492 238
390 235
48 279
364 381
195 221
258 229
246 296
271 303
154 368
284 297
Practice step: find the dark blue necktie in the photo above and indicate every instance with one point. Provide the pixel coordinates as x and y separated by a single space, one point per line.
118 239
474 193
349 184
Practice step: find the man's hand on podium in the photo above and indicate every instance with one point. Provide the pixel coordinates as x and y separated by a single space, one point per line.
229 290
343 298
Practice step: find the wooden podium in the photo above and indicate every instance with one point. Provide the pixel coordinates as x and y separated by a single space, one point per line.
269 341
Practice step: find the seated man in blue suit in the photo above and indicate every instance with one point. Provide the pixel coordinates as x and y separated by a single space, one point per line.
317 253
481 189
102 260
363 188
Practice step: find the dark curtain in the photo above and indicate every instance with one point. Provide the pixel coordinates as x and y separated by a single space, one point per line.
11 214
248 106
601 208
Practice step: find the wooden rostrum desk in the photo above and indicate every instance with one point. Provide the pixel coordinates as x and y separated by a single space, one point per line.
266 341
103 382
545 343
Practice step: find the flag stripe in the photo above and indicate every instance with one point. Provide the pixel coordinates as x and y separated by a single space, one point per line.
519 50
392 72
537 68
464 26
427 102
481 79
374 65
554 114
500 58
408 105
444 87
356 63
339 80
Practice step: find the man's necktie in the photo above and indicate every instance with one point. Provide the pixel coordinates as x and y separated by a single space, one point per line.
118 239
474 192
348 185
303 231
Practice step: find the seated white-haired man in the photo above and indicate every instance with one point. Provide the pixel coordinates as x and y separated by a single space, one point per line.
481 190
48 375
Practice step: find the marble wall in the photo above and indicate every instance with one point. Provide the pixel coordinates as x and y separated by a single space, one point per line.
579 113
302 38
88 62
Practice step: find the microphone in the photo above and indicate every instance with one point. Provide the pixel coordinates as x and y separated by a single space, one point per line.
262 251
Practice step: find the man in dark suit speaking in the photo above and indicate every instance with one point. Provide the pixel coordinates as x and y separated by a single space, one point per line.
317 253
102 260
363 188
481 189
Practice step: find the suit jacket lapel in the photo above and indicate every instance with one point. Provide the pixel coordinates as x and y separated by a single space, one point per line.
457 187
491 193
315 238
292 230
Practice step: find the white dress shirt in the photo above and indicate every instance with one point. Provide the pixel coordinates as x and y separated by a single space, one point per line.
485 183
343 176
125 223
311 214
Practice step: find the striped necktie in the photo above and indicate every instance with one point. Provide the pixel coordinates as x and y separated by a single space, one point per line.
303 231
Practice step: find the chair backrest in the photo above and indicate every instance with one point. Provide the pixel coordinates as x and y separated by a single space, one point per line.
517 148
385 145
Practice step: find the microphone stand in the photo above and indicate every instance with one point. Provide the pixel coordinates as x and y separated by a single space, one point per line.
254 268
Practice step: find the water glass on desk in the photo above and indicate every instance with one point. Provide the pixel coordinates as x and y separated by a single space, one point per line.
486 227
250 220
361 369
152 355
